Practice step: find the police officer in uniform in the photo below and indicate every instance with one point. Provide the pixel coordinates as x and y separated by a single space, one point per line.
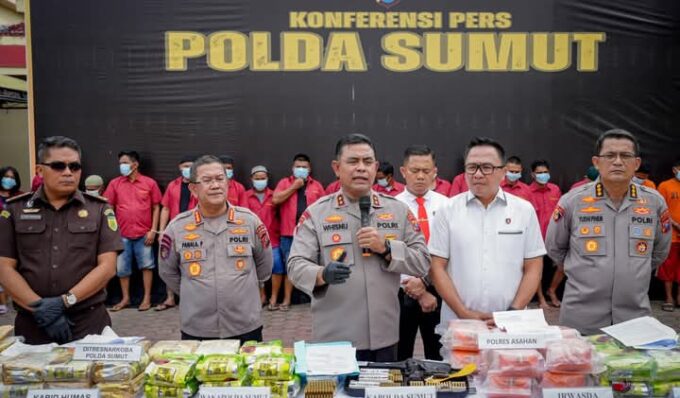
215 257
58 249
609 235
353 273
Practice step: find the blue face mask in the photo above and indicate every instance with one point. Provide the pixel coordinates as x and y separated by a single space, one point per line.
301 172
677 175
543 178
260 185
186 172
8 183
125 169
513 176
230 173
382 182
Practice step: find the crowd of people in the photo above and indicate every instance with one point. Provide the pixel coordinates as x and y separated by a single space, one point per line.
379 259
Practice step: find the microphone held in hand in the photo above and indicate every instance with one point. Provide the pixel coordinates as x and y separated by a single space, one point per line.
365 208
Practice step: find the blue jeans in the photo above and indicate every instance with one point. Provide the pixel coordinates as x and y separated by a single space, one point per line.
134 248
286 243
279 266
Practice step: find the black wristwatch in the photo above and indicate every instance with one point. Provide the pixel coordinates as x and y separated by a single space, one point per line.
388 249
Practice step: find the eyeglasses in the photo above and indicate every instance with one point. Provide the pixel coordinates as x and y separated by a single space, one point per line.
611 156
208 181
486 168
61 166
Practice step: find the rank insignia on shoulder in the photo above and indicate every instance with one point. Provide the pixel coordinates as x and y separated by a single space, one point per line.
558 213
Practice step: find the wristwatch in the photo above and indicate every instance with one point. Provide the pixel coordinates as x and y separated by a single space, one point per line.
70 299
388 249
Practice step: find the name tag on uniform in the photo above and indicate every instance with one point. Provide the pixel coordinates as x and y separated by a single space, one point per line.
30 217
510 232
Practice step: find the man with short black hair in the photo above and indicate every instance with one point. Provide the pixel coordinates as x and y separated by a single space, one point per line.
512 183
236 189
352 272
486 246
136 199
58 250
609 237
385 182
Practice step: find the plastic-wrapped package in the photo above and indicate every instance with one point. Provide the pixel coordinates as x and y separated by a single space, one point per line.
172 372
565 380
280 389
8 341
18 390
272 367
458 359
117 371
569 333
569 356
252 349
518 363
122 389
230 383
217 367
223 347
497 385
77 371
164 347
663 388
31 367
155 391
630 366
627 389
462 334
667 364
605 345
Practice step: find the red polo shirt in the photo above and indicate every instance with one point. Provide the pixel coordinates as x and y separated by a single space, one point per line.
235 193
544 198
578 183
171 198
397 188
266 211
133 202
519 189
458 185
442 186
333 187
288 208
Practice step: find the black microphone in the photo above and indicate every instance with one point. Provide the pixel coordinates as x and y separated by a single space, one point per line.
365 208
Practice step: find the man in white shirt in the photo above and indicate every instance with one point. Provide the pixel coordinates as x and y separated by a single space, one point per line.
418 300
486 246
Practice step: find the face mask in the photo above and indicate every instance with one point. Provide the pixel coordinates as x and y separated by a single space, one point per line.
382 182
93 193
677 175
230 173
543 178
637 180
8 183
513 176
125 169
186 172
301 172
260 185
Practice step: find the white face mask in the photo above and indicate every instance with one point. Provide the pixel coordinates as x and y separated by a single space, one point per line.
93 193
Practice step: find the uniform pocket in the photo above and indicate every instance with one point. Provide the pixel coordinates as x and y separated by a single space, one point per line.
591 246
334 244
240 256
30 234
83 235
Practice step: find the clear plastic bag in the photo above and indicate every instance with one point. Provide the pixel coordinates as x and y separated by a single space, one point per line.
117 372
497 385
165 347
517 363
462 334
570 356
222 347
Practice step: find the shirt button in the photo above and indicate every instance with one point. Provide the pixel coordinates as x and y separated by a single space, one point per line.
56 230
55 248
55 266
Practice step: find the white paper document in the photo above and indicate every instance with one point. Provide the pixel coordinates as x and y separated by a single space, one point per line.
331 359
521 321
640 331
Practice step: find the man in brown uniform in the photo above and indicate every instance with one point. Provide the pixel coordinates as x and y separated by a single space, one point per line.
58 249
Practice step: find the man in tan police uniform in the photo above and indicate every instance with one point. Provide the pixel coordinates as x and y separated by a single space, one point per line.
609 235
214 257
355 296
58 249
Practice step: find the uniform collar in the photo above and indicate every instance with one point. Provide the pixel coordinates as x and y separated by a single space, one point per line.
340 200
410 196
600 192
39 196
500 196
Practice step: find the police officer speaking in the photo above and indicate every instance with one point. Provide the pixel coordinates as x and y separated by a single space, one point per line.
214 257
58 249
352 271
609 235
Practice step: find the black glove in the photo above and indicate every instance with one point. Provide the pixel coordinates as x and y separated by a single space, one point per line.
336 272
47 310
59 331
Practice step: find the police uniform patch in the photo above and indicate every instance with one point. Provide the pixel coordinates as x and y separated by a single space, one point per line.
558 213
195 269
665 221
239 221
239 249
414 222
376 201
340 200
592 246
334 218
588 199
191 236
238 231
83 213
597 229
641 247
599 190
336 253
385 217
5 214
305 215
262 234
187 255
30 211
198 255
390 236
111 220
166 244
585 230
197 217
336 238
240 264
190 227
647 232
643 211
590 210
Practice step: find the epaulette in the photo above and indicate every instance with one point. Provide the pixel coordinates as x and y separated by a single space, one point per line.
184 214
19 197
95 197
241 209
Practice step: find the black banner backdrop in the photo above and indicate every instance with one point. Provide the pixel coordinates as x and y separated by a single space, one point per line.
174 77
